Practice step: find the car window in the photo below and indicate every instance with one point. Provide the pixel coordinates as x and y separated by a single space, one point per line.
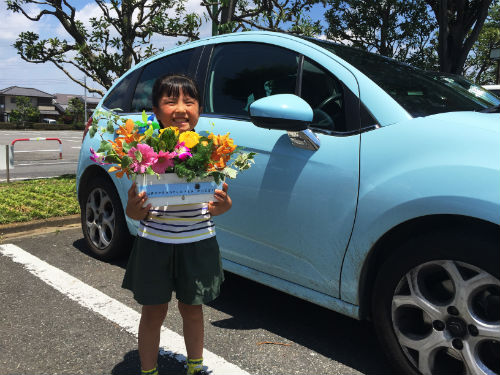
324 93
119 97
241 73
181 63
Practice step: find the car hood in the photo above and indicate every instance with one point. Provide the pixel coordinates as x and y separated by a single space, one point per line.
483 121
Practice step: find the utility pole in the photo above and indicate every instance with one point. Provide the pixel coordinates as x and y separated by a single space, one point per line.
85 97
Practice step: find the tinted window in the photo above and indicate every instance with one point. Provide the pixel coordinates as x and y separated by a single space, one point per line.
119 98
324 93
241 73
182 62
412 88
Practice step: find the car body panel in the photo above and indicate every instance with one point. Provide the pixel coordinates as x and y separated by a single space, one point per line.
423 176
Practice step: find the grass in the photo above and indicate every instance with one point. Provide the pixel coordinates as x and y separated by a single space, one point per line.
38 199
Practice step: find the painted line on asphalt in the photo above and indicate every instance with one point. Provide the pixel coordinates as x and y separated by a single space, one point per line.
111 309
34 164
27 178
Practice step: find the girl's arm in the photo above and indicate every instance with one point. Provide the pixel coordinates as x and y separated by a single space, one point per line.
222 202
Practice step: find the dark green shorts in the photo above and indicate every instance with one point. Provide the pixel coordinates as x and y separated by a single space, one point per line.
155 269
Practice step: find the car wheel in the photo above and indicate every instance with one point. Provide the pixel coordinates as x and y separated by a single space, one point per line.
103 221
436 306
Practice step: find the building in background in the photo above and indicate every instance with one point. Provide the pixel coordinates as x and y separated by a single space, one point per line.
39 99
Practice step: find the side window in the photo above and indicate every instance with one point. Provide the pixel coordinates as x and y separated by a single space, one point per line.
241 73
182 62
325 95
120 96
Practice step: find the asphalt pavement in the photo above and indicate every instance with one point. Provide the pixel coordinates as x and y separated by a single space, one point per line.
258 330
41 158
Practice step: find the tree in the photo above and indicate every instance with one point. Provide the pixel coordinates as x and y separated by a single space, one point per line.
25 111
270 15
75 110
460 22
479 67
115 41
401 29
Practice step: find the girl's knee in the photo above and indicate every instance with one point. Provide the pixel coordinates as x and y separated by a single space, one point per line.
155 313
190 311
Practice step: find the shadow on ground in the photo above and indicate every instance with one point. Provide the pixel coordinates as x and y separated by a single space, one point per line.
167 365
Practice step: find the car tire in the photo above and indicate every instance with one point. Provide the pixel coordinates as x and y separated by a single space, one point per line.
435 305
103 220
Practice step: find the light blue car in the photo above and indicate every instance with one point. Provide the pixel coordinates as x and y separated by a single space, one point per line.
375 192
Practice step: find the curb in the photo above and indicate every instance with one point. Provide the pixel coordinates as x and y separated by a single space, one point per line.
36 224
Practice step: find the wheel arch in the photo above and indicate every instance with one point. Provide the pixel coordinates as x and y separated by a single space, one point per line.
386 245
91 172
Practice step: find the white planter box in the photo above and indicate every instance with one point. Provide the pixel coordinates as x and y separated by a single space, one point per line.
170 189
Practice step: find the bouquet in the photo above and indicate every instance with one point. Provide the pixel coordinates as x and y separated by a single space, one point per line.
142 147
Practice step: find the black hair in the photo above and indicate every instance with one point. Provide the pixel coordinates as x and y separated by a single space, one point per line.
172 85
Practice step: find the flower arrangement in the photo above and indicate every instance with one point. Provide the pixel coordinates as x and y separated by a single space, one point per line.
142 147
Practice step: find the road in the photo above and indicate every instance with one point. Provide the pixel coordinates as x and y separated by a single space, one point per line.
39 159
64 312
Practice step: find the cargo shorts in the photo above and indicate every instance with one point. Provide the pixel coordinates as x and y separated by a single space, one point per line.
192 270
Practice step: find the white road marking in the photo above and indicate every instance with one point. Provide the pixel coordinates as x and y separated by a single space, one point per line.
111 309
78 147
35 163
31 151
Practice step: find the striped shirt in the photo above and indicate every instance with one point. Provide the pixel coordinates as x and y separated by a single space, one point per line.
178 223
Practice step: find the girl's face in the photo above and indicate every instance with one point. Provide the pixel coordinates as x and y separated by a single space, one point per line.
182 112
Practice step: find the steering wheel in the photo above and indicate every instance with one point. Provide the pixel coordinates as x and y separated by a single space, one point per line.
328 100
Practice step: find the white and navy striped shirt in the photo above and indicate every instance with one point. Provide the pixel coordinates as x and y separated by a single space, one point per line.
178 223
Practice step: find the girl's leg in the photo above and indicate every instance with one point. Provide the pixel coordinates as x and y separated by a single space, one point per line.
152 318
192 326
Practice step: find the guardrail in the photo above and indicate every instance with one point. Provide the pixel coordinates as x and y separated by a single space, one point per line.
39 139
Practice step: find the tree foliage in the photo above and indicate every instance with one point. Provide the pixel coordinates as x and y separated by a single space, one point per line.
460 22
75 110
269 15
116 40
25 111
479 67
401 29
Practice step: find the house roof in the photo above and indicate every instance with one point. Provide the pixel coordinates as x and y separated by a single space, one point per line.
25 91
61 100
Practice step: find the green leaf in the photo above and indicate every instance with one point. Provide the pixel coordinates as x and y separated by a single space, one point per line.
92 131
138 156
105 146
110 128
230 172
144 117
149 132
126 161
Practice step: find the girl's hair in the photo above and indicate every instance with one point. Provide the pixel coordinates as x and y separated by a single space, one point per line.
172 85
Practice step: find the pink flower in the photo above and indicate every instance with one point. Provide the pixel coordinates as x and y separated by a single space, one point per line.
182 151
97 157
165 160
143 156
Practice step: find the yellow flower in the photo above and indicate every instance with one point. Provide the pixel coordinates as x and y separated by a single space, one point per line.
189 138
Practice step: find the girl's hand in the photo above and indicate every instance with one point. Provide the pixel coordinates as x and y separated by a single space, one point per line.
135 209
222 201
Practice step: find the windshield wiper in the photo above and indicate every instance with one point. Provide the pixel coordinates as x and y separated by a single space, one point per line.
495 109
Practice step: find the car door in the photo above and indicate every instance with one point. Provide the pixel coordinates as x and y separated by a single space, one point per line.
293 211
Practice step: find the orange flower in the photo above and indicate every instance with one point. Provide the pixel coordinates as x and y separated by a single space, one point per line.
118 146
127 131
223 147
120 172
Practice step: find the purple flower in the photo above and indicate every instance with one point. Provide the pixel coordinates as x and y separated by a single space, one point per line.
97 157
143 156
182 151
165 160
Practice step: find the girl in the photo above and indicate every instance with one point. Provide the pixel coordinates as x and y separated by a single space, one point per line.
175 248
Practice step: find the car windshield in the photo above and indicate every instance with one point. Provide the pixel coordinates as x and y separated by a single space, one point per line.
414 89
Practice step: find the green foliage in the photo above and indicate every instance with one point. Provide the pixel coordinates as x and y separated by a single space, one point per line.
25 111
93 50
479 67
38 199
400 29
76 110
279 15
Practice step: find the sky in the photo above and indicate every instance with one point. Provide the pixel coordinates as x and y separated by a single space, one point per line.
47 77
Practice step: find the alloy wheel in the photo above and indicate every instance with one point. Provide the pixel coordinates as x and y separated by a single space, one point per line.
446 317
100 218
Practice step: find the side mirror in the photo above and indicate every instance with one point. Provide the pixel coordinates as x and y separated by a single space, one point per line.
281 112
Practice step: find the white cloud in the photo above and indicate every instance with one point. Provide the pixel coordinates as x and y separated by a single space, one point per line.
14 23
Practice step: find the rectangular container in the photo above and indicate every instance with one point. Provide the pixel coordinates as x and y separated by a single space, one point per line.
168 189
